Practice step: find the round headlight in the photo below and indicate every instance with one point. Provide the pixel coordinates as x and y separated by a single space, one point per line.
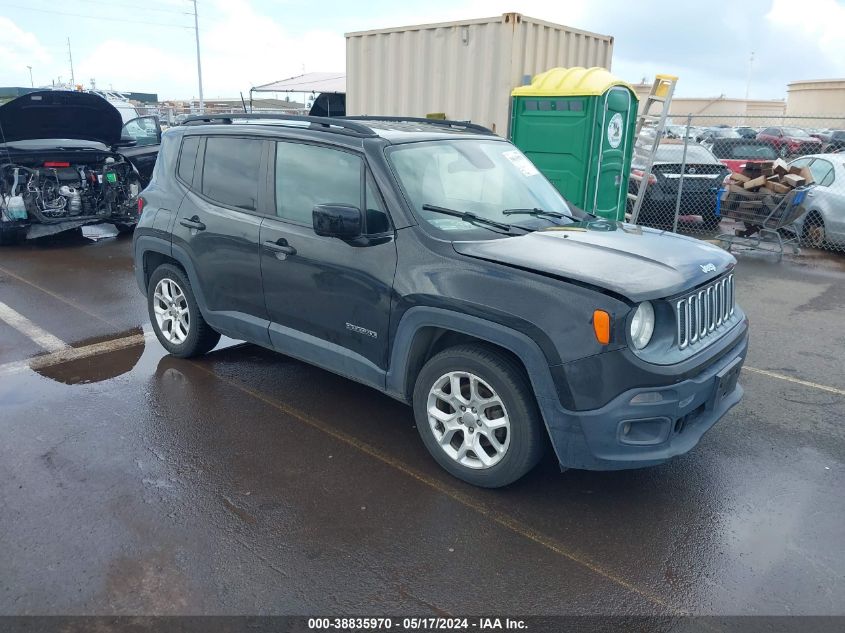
642 325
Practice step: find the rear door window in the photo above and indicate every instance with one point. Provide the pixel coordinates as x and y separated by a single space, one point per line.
230 172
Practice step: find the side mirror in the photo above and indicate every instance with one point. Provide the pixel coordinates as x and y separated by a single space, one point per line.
337 220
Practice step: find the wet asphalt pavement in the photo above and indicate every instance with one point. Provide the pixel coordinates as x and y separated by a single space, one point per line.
248 482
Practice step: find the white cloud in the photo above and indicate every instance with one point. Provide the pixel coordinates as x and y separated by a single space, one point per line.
19 49
815 25
243 48
109 63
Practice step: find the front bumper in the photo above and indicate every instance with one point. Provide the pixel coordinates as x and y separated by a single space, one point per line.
648 431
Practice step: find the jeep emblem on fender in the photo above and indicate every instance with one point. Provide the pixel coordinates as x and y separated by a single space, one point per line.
707 268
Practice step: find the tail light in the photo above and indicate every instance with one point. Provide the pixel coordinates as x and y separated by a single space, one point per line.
652 179
141 203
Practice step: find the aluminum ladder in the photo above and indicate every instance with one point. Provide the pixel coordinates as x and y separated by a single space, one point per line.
661 92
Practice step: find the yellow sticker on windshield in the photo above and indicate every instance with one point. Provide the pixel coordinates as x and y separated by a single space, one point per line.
521 162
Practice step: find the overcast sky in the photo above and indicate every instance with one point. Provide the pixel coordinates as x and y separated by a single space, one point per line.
148 45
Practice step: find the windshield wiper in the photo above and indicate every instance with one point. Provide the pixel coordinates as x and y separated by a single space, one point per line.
539 213
469 216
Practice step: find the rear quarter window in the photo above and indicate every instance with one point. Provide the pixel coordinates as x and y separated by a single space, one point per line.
188 159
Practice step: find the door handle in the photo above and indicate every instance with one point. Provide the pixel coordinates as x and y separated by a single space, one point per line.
280 246
193 223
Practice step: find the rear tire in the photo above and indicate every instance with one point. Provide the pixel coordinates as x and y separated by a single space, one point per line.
497 437
175 315
813 231
124 229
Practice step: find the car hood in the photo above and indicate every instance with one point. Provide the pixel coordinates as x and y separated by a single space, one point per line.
635 262
58 114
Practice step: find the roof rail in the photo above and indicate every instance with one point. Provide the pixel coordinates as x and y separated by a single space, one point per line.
466 125
327 124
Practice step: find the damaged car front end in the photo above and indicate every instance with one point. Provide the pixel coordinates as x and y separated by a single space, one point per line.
62 164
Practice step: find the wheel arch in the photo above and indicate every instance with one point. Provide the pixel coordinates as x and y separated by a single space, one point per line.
151 252
425 331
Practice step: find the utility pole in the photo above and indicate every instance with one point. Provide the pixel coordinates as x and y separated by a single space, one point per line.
31 83
748 79
199 65
70 59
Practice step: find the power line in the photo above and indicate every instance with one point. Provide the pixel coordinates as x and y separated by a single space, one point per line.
98 17
140 7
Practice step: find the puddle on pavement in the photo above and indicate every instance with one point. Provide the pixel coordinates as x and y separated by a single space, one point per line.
98 367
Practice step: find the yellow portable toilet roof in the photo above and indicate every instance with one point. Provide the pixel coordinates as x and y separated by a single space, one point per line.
577 82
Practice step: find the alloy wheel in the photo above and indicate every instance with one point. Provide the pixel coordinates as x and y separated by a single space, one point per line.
469 420
171 311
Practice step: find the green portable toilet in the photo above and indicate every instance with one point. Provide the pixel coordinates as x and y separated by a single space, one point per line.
577 126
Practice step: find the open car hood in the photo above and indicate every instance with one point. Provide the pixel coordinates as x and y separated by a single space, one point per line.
58 114
635 262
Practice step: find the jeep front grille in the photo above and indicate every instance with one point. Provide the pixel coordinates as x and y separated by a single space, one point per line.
702 313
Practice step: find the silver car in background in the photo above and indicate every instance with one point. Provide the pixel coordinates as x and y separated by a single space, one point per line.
824 222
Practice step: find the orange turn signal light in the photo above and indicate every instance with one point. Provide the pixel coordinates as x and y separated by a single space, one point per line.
601 326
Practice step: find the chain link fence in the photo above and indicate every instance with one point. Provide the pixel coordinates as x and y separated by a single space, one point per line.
174 113
746 182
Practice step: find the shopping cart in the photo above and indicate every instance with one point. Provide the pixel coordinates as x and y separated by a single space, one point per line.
768 220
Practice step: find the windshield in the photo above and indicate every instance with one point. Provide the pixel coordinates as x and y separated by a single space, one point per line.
795 131
674 154
476 176
747 150
726 133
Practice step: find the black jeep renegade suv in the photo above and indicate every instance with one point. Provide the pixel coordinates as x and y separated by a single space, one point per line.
433 262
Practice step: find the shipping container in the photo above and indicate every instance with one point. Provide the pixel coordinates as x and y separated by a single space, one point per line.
463 70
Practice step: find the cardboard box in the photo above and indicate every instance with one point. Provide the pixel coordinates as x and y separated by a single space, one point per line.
807 175
756 182
780 167
778 187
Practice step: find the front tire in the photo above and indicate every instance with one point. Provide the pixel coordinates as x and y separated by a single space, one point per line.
175 315
784 151
477 416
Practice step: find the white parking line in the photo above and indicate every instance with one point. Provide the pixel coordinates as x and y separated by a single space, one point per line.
40 337
797 381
